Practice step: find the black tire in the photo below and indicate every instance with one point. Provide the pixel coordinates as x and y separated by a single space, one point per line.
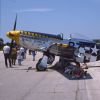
51 58
38 67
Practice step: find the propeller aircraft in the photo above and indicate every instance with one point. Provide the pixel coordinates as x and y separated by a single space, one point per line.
69 50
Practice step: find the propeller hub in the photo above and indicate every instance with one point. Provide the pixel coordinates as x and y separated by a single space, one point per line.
14 35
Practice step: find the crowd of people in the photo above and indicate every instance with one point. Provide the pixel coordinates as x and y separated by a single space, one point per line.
15 54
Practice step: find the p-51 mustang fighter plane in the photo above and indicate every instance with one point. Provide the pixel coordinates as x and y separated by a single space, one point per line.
71 50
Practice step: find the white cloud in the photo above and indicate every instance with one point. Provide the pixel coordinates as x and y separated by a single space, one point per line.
36 10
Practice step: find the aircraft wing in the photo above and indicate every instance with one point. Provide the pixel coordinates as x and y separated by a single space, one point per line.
83 42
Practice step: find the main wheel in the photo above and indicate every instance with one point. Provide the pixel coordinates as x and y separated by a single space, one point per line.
51 58
39 67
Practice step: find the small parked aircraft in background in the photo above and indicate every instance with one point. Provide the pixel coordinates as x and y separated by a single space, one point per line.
69 50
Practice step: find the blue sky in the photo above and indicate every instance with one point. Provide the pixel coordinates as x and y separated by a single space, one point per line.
51 16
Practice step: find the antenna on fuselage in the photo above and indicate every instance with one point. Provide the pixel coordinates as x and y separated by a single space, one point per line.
70 37
62 36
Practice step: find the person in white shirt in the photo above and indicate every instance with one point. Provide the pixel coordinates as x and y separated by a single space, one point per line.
22 52
6 51
19 56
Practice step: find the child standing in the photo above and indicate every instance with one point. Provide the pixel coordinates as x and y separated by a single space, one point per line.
19 56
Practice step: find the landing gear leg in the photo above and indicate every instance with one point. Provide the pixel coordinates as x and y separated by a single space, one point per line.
42 63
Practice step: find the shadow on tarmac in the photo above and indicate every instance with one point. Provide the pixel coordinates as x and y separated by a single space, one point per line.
58 69
61 71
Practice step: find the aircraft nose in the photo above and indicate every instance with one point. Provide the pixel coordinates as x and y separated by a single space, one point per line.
14 35
9 34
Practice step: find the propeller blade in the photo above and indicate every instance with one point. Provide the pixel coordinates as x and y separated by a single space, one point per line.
11 45
15 23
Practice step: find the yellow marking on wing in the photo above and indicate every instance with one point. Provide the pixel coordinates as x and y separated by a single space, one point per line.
62 45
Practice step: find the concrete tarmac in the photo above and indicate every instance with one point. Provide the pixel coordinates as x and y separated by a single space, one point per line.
18 84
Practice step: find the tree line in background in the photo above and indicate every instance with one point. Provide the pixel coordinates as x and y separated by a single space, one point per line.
97 40
1 43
